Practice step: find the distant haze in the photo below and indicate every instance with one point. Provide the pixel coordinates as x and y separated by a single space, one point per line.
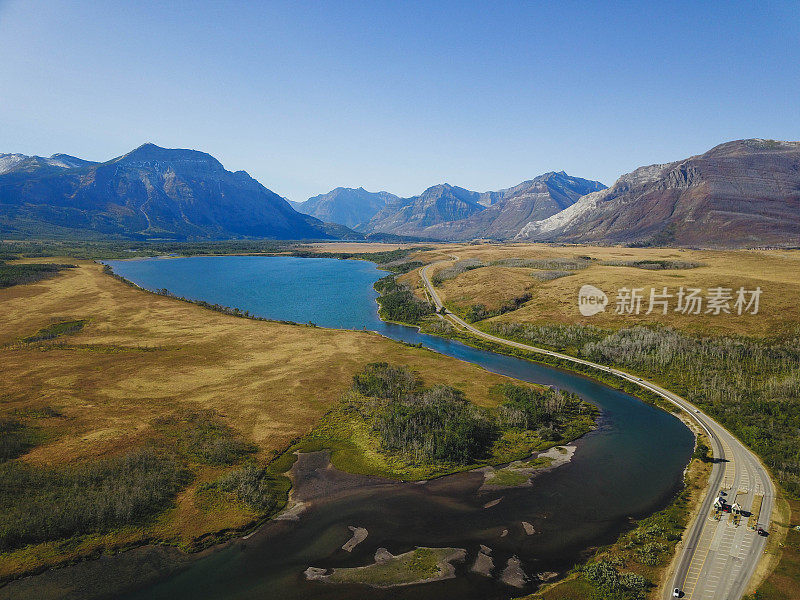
307 97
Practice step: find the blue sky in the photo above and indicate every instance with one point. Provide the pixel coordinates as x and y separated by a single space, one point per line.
307 96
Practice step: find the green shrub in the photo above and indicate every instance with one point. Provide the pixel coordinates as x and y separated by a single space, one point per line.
253 486
478 312
18 274
382 380
202 436
701 452
55 330
39 504
399 304
437 424
613 585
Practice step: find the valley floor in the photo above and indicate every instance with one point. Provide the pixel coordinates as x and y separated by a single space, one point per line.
140 371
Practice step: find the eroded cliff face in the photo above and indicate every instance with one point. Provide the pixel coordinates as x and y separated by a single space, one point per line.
742 193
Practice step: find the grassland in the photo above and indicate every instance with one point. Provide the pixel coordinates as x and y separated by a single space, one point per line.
776 272
781 583
18 274
102 389
222 395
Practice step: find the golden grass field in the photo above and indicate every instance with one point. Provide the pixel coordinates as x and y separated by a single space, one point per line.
141 356
776 272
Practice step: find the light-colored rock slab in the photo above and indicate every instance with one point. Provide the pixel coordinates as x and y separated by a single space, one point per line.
291 513
483 564
529 530
382 555
513 574
359 535
315 574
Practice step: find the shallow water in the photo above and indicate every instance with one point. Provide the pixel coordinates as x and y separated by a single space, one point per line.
629 467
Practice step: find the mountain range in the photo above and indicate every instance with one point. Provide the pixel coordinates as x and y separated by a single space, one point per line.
738 194
452 213
742 193
148 193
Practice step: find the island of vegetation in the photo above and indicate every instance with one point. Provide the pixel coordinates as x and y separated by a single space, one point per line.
421 565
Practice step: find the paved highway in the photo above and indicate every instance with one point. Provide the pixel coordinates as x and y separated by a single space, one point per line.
717 556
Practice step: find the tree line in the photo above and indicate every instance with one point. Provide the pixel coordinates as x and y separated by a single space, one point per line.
18 274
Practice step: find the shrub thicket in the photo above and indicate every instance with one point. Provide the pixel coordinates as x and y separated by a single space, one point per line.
438 424
399 304
39 504
456 269
613 585
18 274
253 486
549 275
555 263
478 312
55 330
654 265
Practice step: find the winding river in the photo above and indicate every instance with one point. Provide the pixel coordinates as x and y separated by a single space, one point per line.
629 467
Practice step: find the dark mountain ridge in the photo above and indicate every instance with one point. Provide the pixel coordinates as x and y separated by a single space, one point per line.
150 192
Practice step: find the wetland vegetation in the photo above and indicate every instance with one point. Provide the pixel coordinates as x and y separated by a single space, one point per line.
389 423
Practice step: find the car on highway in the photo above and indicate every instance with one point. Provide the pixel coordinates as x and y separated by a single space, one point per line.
676 593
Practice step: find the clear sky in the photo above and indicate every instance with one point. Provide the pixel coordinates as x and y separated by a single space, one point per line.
307 96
